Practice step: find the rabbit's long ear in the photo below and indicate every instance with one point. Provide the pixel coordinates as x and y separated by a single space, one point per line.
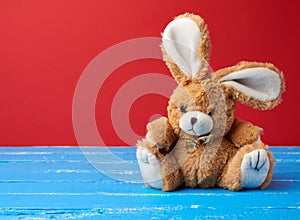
259 85
186 47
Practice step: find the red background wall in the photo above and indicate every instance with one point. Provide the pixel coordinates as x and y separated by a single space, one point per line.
46 45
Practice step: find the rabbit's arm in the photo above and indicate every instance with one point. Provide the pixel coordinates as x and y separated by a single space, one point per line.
160 133
243 133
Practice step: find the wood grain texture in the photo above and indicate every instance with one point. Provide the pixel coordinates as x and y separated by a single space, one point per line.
60 183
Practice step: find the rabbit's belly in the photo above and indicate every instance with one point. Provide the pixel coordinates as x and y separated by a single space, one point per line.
195 177
202 168
189 169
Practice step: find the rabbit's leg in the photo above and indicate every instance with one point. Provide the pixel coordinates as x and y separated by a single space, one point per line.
250 167
150 168
254 169
157 162
164 173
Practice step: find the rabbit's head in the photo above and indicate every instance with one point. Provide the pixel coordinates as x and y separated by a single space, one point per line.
204 102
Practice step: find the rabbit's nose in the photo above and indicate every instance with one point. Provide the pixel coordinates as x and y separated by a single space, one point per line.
193 120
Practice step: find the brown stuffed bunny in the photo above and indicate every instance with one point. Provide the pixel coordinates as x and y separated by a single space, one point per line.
201 144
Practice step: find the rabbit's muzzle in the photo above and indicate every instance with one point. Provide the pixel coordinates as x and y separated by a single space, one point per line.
196 123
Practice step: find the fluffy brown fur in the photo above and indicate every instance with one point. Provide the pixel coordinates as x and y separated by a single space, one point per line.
218 162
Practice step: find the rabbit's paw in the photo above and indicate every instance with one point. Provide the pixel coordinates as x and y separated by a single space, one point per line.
255 168
150 168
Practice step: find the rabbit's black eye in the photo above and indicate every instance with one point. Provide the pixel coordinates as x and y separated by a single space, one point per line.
183 108
212 111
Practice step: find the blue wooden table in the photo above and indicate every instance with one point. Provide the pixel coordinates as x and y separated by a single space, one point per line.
65 183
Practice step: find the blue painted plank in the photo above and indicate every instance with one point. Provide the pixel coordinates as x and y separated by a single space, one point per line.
59 182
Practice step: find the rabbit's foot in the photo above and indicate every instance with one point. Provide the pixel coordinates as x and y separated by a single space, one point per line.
150 168
254 168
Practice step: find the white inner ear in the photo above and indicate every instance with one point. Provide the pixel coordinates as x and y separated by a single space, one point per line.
260 83
181 40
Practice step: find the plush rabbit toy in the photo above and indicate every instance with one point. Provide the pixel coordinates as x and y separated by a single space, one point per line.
201 144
